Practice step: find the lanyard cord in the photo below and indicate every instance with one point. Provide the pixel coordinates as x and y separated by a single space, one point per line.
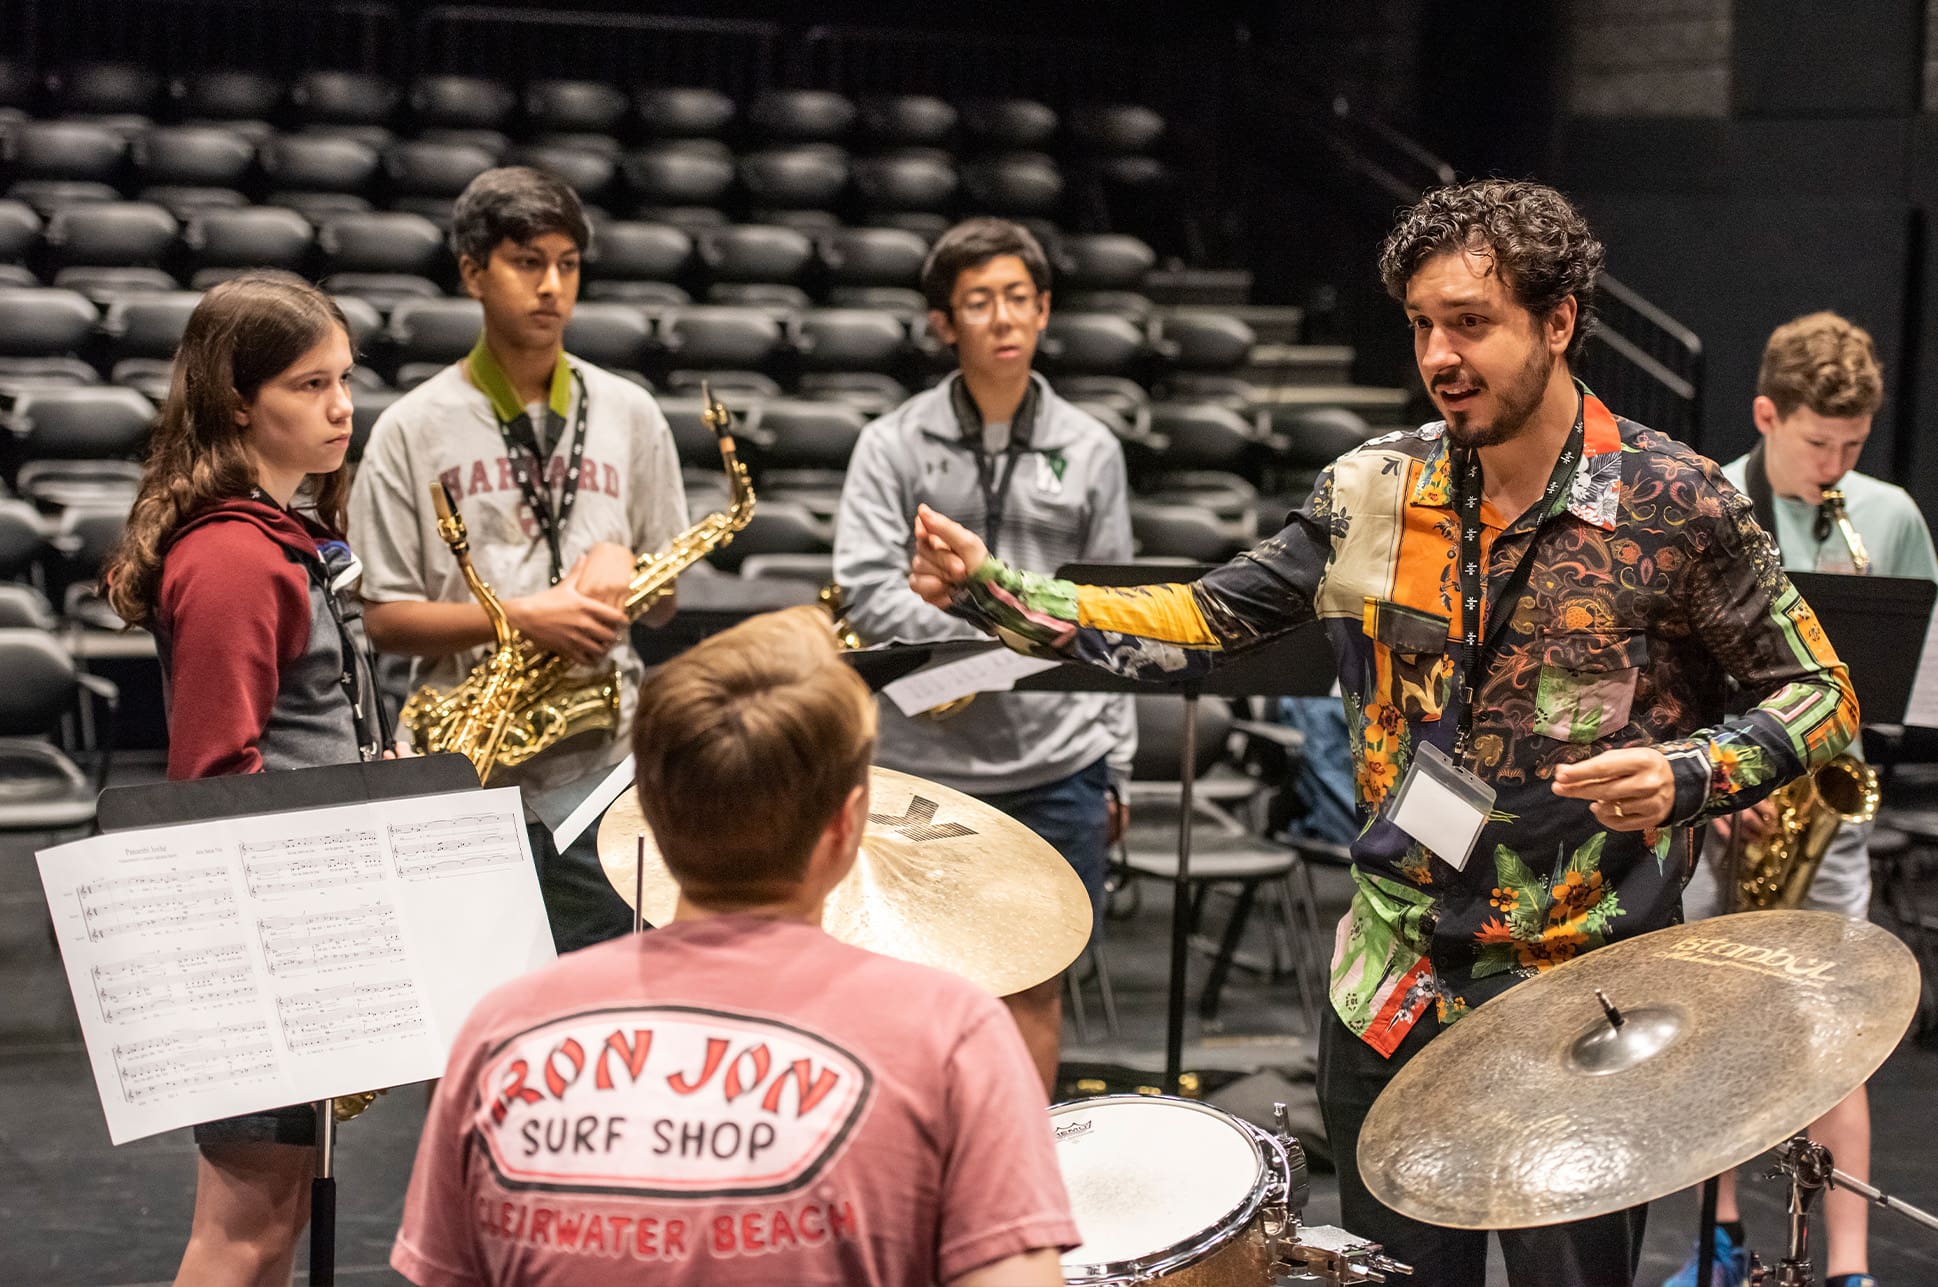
528 466
1476 651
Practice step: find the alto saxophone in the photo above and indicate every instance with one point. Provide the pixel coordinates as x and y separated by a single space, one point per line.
521 700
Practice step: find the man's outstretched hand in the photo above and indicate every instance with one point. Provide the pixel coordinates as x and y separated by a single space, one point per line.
946 553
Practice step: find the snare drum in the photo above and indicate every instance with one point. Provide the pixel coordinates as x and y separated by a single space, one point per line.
1173 1191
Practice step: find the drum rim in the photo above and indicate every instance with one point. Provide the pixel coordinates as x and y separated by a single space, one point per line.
1207 1241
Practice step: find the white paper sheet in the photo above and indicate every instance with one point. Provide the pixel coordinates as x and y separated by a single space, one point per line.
1922 710
594 806
995 671
227 967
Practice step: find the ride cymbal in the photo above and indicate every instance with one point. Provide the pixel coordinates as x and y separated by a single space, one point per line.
1727 1036
942 879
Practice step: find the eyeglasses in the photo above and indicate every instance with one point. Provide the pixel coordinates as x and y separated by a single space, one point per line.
980 308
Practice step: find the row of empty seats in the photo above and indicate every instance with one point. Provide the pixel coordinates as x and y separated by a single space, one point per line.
128 95
328 169
109 248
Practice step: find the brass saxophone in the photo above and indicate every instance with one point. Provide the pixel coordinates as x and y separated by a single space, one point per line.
1777 870
1832 508
521 700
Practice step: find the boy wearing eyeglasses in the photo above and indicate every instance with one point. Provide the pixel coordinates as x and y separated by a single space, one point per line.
1045 483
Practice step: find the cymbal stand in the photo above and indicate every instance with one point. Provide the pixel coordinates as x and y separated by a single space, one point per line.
1807 1163
1809 1166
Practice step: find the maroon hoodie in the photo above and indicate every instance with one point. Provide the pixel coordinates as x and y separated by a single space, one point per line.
252 662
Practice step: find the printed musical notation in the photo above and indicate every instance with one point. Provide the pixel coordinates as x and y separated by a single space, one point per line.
353 1012
171 901
356 936
461 846
282 868
194 1060
161 983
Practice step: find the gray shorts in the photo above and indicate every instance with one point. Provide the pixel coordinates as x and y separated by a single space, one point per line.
1843 883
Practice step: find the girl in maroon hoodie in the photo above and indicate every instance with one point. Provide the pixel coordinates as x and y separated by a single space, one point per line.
239 588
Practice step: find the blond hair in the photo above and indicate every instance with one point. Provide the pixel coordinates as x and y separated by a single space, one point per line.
746 745
1824 362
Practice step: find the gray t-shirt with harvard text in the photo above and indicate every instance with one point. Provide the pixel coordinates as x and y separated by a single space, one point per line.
629 493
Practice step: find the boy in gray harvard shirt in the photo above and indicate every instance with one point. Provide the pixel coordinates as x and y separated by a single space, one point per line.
563 472
1037 479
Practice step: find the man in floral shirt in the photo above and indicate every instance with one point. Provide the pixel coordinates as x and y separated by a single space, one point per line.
1549 595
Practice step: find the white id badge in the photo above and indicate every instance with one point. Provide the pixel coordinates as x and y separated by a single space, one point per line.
1441 805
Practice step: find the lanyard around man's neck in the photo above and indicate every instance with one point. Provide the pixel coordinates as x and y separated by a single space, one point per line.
521 441
1476 651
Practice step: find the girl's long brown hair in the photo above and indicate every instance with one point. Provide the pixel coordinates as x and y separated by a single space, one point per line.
244 333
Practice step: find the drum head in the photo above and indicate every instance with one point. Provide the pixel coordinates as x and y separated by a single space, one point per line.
1154 1178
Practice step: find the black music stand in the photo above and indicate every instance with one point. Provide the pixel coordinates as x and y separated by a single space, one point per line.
1299 663
164 804
1877 624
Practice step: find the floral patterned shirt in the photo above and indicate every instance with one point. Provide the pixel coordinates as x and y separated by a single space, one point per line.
1649 583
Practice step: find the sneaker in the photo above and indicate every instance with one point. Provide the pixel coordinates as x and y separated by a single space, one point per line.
1731 1269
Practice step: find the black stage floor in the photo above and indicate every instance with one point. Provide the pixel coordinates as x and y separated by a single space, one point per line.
79 1213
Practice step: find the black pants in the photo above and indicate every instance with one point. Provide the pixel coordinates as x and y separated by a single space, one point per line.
1602 1252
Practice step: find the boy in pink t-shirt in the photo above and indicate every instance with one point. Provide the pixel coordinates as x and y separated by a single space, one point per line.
737 1098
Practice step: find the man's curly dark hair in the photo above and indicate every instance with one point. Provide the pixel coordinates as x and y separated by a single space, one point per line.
1538 242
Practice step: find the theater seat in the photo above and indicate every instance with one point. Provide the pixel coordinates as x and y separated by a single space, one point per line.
430 334
1116 127
1009 122
382 257
801 114
615 336
434 170
43 334
343 97
755 253
1015 184
627 251
905 181
680 112
460 102
229 94
106 89
678 174
582 106
64 150
192 156
221 243
106 248
806 177
905 119
590 174
318 163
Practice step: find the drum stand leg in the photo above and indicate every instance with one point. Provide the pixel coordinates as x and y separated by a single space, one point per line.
1706 1230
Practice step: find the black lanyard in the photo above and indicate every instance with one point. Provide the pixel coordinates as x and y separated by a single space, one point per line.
995 489
528 466
370 743
1476 651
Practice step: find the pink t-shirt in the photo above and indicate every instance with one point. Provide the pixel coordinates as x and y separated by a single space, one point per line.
732 1101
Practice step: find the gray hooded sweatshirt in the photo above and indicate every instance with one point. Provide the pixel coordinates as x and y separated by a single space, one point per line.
1067 501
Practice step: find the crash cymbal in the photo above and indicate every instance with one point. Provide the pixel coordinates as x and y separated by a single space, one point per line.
1734 1034
942 879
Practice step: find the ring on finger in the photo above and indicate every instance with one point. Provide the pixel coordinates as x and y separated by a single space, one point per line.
1617 806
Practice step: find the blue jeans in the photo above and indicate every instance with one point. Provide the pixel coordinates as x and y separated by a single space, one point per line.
1073 814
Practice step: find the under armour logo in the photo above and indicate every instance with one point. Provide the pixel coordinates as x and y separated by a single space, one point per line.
1567 457
918 822
1553 487
1471 533
1472 604
1472 639
1471 569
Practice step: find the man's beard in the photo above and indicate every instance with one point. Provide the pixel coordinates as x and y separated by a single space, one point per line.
1519 399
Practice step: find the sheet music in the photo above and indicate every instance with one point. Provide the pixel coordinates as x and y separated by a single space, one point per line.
1922 710
994 671
227 967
